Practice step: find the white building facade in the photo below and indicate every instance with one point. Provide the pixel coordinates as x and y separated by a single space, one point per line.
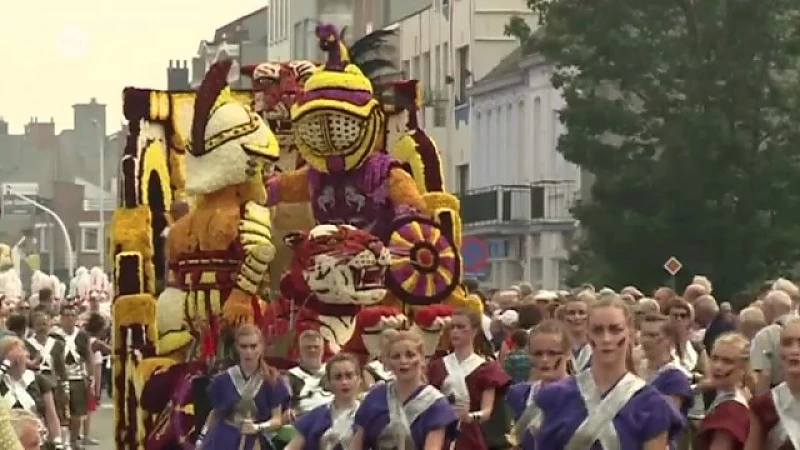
520 188
447 44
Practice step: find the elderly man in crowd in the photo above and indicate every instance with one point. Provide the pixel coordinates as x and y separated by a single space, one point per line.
764 356
751 321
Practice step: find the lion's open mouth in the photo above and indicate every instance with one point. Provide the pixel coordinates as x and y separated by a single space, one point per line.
366 278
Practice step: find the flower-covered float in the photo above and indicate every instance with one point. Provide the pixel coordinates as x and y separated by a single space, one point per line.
349 178
205 238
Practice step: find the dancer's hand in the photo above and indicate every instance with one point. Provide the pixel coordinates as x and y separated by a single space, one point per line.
248 427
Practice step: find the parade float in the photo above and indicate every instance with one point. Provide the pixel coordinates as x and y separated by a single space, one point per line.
181 277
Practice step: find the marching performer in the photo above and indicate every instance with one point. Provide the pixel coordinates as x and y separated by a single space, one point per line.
662 371
330 427
775 415
307 379
406 413
24 389
727 420
549 348
247 399
48 350
607 402
470 381
575 318
79 360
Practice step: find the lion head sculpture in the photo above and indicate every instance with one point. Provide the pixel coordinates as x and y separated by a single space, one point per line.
340 264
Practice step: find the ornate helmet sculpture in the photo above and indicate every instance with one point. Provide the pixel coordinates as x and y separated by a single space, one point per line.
230 144
337 121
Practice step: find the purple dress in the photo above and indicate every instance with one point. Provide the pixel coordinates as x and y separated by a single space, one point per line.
321 431
520 400
643 416
672 380
381 417
234 398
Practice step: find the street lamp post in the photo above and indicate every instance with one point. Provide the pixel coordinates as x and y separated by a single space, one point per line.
51 213
101 240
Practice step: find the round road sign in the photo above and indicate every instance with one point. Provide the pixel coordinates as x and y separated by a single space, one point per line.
474 253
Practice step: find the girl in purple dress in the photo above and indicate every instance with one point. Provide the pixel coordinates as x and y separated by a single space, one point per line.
407 413
549 348
330 427
246 399
606 406
658 367
575 310
662 371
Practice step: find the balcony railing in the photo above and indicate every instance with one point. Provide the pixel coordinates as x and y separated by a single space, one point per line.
543 202
93 204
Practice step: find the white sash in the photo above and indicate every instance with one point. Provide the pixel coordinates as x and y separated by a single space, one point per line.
455 383
18 391
581 360
247 390
727 396
71 348
341 430
788 426
379 372
397 434
599 425
45 351
312 394
531 418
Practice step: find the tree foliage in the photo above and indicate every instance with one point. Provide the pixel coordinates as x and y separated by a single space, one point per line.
686 112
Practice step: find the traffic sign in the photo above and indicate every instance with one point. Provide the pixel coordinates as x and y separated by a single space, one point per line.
673 266
13 205
475 254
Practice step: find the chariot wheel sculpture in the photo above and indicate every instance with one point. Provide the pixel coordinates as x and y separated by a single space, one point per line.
426 265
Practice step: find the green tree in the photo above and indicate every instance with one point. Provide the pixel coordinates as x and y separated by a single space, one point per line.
687 114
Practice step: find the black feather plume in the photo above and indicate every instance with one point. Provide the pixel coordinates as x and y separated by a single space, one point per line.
372 53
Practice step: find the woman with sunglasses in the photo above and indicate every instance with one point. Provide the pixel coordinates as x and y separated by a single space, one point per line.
549 349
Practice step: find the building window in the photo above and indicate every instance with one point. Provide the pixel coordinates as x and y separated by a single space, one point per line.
462 178
415 68
406 68
437 69
464 73
446 60
426 70
299 39
90 238
43 236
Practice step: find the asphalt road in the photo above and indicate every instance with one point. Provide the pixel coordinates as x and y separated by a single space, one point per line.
101 426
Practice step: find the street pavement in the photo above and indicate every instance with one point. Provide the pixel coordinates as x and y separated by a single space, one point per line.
102 426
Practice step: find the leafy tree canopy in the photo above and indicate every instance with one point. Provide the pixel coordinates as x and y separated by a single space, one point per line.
687 114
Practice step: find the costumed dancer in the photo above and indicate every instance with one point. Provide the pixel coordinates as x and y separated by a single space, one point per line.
79 360
470 381
575 313
246 399
606 402
373 325
22 388
47 349
727 420
662 371
549 348
307 378
775 415
330 426
406 413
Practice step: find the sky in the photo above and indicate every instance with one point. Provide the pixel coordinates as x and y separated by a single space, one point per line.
57 53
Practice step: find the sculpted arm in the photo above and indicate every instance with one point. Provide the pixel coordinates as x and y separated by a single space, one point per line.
288 187
403 190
